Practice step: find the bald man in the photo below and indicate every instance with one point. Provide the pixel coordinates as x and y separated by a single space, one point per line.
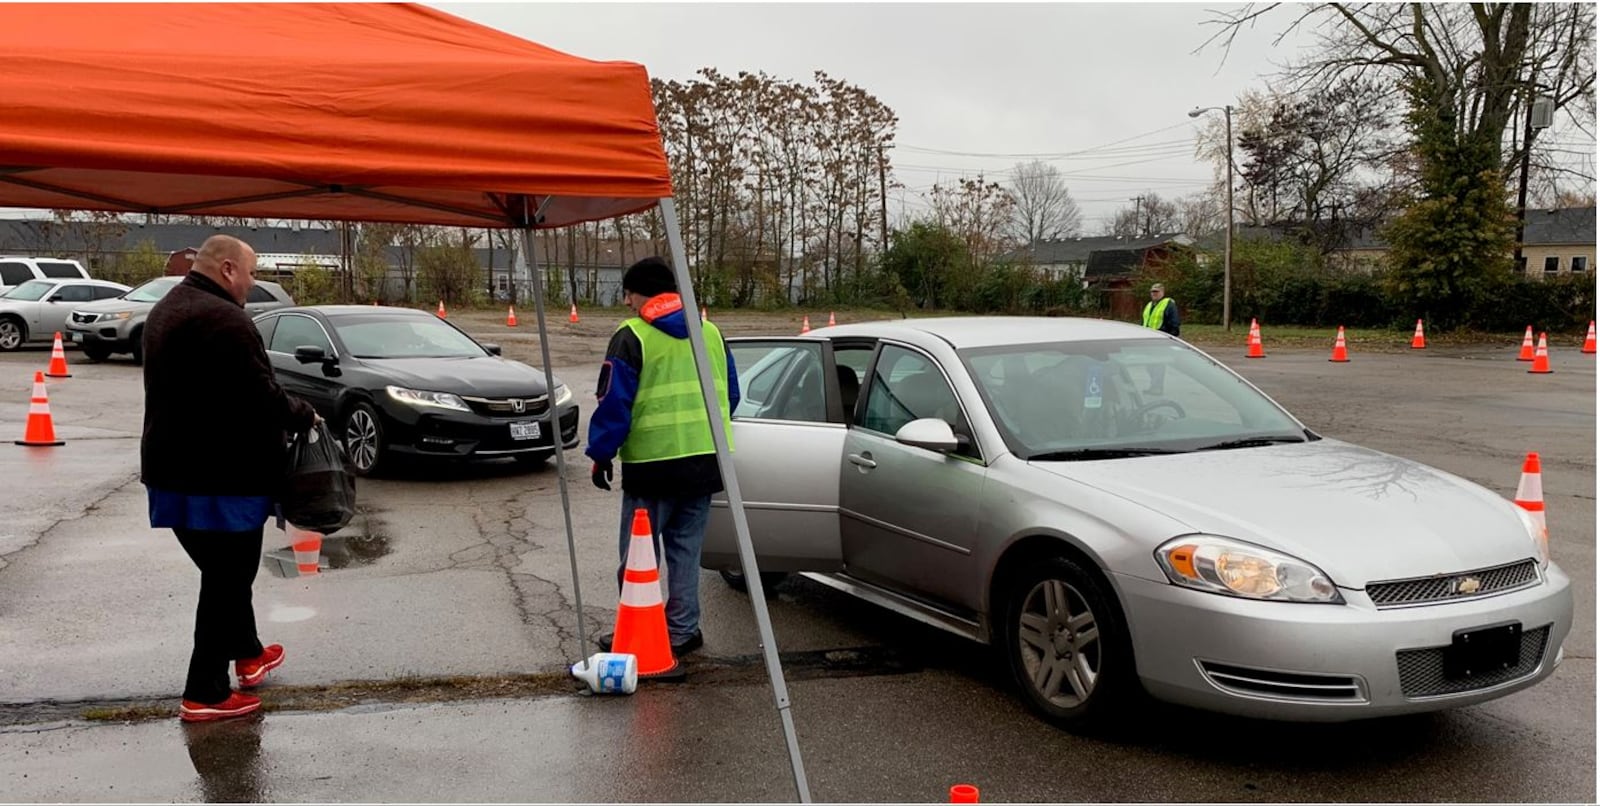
212 459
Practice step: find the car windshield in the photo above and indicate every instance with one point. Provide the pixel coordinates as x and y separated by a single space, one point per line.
1109 399
410 337
31 291
153 290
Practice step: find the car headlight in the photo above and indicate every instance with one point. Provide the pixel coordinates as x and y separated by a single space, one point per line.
1237 568
1537 532
438 400
563 395
115 317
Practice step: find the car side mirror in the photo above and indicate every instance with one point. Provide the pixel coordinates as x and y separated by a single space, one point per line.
929 433
494 349
56 297
307 354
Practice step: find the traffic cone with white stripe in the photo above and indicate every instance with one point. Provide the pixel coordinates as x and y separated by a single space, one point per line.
1541 358
642 615
440 312
1341 354
1253 347
41 431
511 316
58 361
572 316
805 324
1417 340
831 320
1588 341
1527 346
307 549
1530 492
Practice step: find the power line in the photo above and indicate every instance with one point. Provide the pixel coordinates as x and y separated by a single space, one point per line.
1041 155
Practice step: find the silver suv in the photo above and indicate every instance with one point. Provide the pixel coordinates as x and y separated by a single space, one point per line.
117 325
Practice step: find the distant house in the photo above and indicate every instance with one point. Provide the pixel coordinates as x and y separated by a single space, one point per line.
1100 258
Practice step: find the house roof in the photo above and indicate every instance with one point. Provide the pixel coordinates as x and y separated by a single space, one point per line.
1058 251
1567 225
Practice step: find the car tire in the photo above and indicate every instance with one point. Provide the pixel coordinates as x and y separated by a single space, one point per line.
136 338
1065 643
533 460
96 352
13 333
362 432
769 580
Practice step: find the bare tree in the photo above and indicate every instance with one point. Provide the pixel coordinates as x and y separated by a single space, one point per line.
1042 207
1149 215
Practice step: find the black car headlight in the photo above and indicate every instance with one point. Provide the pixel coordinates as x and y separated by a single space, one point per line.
437 400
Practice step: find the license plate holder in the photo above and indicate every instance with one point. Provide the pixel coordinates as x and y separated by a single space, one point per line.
1483 650
525 430
74 336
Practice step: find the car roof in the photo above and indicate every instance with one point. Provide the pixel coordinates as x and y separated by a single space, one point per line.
336 311
964 332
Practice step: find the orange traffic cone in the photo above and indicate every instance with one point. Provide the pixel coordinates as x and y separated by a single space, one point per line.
307 549
58 361
1541 358
1530 495
440 312
41 432
1253 348
831 321
1588 341
805 325
642 615
1340 354
1527 346
963 793
573 316
1417 342
511 316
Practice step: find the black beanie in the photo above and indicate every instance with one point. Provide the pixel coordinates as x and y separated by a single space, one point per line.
649 277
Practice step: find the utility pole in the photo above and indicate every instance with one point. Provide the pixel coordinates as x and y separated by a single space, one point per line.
1528 131
1227 241
883 199
1138 225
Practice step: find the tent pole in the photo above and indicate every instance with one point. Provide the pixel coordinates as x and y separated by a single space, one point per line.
747 555
531 218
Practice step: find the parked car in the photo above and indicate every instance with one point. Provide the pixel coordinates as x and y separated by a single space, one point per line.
397 381
15 271
117 325
1013 481
37 309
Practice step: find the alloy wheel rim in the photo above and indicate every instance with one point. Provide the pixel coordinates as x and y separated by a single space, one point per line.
10 336
1059 642
361 440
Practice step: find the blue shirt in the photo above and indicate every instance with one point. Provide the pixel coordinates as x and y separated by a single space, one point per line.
209 513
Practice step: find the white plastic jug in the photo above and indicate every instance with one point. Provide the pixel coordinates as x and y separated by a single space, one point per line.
609 672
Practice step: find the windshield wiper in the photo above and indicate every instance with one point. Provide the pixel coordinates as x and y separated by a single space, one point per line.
1250 442
1097 453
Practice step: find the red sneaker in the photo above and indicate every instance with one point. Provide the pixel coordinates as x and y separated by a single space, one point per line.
251 672
236 705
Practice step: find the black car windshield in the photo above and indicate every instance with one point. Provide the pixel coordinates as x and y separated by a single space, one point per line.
152 291
31 291
409 337
1108 399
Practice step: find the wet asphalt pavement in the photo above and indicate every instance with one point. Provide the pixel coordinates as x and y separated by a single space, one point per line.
461 574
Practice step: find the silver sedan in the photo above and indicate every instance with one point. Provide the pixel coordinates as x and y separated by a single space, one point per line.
1115 512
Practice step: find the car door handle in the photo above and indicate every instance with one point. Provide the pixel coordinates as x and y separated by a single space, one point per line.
862 460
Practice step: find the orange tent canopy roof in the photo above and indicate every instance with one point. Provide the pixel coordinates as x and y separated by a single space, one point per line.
324 111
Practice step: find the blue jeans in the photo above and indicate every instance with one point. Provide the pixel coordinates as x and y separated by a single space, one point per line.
679 525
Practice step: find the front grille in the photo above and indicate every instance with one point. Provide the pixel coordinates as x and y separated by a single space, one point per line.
506 406
1422 670
1454 587
1284 685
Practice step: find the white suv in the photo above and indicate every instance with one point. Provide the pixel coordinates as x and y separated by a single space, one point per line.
15 271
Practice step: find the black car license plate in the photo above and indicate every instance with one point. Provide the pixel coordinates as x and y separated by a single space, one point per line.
1483 650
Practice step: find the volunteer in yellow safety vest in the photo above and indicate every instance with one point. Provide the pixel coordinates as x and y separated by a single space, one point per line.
1160 314
651 414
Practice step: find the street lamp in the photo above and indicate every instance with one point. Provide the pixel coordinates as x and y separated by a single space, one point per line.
1227 242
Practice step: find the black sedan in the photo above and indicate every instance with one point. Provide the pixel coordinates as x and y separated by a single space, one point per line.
396 381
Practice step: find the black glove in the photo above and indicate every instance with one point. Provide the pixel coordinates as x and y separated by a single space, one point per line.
600 474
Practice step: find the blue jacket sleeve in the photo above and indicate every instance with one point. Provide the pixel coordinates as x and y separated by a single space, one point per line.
733 382
1171 319
618 386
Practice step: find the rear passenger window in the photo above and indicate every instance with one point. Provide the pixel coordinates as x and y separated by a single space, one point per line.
14 273
106 292
259 294
264 327
60 270
74 293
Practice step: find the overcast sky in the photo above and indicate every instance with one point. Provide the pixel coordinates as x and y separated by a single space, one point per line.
992 79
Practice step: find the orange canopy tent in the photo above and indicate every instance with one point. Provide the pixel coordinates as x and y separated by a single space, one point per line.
359 111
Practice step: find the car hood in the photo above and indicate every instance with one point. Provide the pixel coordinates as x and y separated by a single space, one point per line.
113 306
489 376
1358 514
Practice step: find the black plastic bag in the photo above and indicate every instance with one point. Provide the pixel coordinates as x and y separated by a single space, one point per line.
319 492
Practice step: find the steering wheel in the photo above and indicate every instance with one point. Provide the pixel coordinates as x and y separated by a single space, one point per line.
1142 414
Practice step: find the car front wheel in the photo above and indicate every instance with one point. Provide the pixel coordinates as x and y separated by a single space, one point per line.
1066 643
363 439
96 352
11 334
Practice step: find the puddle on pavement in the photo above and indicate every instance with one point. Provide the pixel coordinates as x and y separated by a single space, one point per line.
350 547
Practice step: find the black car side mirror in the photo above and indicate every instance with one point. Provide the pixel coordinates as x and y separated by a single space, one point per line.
310 355
56 297
494 349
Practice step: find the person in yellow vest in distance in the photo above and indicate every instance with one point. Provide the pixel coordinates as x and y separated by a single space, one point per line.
650 412
1160 313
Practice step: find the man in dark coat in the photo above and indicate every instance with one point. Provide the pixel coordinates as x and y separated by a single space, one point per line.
212 459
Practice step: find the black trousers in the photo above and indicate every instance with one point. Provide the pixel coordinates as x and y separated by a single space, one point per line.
225 620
